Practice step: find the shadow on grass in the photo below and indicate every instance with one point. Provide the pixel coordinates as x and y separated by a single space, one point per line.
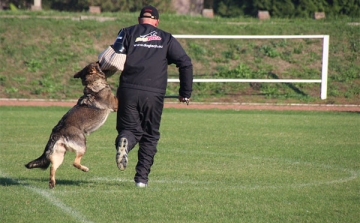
8 182
4 181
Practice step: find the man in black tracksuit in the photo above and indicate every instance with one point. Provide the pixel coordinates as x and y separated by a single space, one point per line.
142 87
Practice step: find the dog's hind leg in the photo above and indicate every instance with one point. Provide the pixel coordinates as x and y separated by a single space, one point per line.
78 145
77 162
56 158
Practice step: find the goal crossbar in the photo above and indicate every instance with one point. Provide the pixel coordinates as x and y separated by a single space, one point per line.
324 68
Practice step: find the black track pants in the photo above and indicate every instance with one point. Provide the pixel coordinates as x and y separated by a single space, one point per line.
138 120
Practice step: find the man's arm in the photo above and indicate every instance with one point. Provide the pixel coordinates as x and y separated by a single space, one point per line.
178 56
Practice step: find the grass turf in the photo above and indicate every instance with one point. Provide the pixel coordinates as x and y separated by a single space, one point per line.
211 166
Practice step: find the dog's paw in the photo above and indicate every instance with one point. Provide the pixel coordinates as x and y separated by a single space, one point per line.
85 169
51 184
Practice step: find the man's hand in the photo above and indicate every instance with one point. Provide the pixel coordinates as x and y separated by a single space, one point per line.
186 100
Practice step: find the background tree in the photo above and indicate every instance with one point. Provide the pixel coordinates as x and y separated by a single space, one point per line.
208 4
230 8
224 8
282 8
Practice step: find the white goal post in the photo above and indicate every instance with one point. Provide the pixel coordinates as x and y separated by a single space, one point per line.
324 69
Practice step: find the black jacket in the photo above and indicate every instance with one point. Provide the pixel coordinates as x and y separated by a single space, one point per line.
149 52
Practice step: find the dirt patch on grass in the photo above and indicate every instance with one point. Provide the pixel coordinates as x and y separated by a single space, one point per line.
222 106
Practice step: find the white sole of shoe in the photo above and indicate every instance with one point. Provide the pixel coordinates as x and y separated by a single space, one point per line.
141 184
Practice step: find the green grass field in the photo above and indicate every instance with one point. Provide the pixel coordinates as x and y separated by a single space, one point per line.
211 166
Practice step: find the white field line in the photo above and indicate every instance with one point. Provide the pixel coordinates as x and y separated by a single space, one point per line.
50 198
352 175
211 185
214 185
179 185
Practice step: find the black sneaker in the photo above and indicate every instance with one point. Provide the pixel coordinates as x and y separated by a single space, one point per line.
121 154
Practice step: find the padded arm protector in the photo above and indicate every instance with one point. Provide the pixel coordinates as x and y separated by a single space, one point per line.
113 58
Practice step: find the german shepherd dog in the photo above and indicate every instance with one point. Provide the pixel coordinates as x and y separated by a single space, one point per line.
90 112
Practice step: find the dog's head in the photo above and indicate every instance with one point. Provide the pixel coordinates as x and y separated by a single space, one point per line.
90 74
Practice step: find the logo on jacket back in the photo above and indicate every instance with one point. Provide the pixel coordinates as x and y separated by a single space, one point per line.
148 37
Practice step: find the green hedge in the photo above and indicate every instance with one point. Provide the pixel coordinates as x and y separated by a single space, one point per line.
223 8
287 8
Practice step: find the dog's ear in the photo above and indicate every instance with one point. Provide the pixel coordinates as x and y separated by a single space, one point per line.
99 71
78 74
90 68
81 73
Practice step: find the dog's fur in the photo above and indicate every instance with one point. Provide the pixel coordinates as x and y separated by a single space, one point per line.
90 112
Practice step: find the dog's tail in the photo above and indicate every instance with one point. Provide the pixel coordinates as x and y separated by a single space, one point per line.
43 161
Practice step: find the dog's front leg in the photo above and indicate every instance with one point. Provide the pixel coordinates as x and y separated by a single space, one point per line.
115 104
